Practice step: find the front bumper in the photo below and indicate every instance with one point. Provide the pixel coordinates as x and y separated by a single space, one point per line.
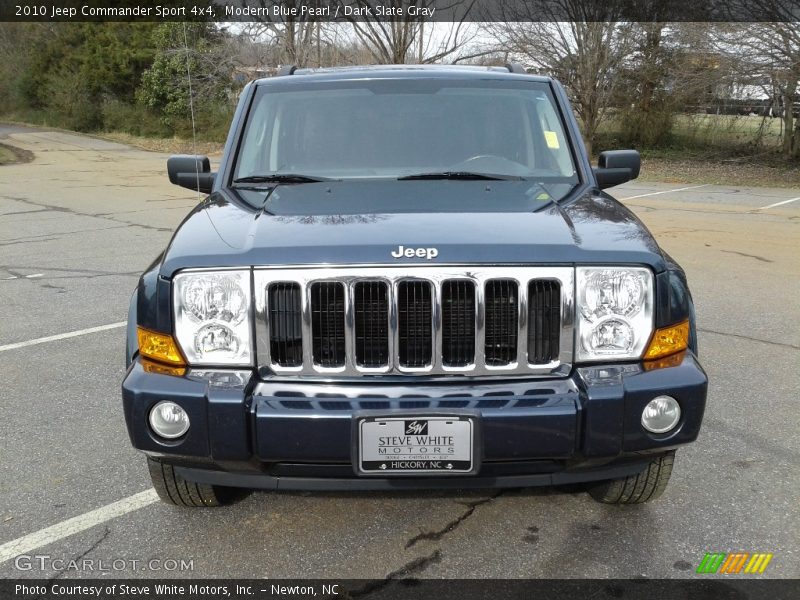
289 435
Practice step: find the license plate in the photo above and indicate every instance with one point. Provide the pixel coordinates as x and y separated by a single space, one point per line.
403 445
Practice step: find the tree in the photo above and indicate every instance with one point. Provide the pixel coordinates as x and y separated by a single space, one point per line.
188 56
585 53
287 38
72 69
771 51
403 40
18 42
647 114
670 67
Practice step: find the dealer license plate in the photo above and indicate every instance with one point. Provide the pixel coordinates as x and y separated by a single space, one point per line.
403 445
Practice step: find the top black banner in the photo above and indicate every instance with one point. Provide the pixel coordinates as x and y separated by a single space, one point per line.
402 10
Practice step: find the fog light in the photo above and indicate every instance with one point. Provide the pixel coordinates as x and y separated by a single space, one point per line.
661 414
169 420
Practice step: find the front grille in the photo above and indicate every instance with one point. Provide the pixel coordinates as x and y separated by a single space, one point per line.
285 316
544 321
414 323
502 307
458 323
327 324
415 320
371 310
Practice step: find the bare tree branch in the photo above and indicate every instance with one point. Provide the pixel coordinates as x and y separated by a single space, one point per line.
584 53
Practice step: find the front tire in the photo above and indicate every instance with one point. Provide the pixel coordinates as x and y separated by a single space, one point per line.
637 489
174 489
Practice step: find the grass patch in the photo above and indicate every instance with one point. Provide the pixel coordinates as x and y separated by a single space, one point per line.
137 126
10 155
730 135
714 149
167 145
7 156
749 172
174 145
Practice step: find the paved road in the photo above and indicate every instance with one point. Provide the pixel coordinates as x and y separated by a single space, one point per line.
86 216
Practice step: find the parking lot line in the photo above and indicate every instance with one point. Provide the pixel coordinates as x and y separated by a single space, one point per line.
59 531
62 336
691 187
778 203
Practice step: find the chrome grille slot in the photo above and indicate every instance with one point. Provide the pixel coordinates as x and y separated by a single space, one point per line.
433 321
458 323
502 309
544 320
327 324
414 324
286 333
371 311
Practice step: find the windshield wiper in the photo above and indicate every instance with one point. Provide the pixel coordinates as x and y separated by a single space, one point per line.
281 178
465 175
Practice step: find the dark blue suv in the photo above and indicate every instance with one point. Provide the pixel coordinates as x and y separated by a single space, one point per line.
403 278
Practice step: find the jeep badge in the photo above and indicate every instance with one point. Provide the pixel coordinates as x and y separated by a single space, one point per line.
428 253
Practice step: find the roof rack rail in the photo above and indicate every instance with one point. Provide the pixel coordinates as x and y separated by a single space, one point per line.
516 68
287 70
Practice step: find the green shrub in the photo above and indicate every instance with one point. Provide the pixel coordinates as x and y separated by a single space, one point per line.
75 106
211 123
134 119
646 129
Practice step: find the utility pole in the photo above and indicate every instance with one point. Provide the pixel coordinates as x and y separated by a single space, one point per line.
319 43
421 34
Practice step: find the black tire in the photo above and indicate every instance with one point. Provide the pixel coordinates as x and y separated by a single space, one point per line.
637 489
174 489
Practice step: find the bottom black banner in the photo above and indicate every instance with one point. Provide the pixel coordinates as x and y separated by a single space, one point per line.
405 589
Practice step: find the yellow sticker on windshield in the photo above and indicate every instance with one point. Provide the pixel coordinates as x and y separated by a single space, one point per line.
552 140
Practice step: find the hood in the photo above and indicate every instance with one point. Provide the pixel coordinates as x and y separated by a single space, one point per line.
368 223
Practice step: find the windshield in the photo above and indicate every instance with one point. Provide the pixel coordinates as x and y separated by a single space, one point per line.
396 128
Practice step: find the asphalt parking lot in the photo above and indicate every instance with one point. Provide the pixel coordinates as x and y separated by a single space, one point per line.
80 222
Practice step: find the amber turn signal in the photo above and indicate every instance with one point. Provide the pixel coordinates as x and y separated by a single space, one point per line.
161 369
673 360
668 340
159 346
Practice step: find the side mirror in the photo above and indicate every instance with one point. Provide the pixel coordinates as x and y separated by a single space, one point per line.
617 166
191 171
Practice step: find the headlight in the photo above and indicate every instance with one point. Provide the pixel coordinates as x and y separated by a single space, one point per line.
615 312
212 317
